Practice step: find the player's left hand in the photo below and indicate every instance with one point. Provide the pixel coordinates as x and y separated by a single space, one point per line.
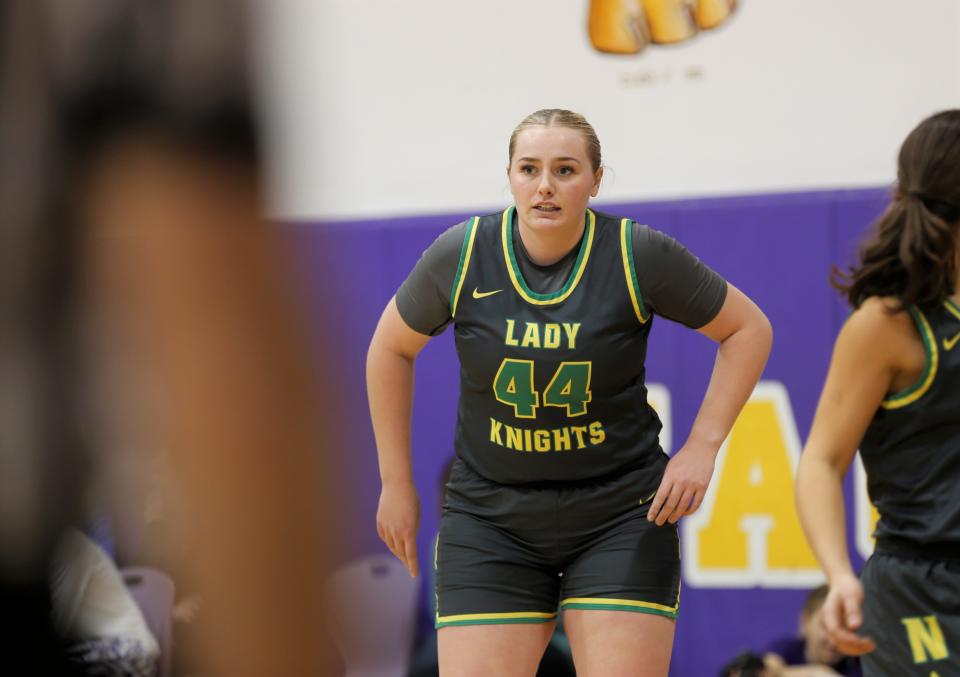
842 617
684 484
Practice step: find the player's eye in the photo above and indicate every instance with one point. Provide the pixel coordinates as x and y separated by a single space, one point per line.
565 170
527 169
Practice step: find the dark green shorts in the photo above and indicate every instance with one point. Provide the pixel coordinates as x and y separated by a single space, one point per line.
518 554
911 608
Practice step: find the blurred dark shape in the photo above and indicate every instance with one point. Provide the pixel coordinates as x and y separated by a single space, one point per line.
130 182
745 664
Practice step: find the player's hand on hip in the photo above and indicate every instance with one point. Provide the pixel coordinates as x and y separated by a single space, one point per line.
398 516
684 484
841 616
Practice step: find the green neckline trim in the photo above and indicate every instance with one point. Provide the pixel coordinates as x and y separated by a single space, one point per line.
574 272
928 348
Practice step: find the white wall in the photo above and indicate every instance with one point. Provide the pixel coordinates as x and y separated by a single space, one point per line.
383 107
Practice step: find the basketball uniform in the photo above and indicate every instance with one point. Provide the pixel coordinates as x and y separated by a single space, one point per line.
911 452
557 448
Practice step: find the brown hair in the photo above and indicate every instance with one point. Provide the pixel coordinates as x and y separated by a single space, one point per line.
815 599
910 252
559 117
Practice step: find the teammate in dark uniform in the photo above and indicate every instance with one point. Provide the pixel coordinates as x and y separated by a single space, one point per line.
561 497
893 389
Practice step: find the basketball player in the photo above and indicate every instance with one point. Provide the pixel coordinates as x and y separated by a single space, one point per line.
893 390
560 496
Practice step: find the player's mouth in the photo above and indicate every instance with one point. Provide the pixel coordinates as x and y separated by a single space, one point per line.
546 208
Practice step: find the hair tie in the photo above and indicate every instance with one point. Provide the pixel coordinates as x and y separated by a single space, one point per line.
945 210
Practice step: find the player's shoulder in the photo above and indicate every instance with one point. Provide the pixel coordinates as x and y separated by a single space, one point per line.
474 225
641 233
445 249
878 326
606 217
450 243
492 219
451 237
653 247
879 313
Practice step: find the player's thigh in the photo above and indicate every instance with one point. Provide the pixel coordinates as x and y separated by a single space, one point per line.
506 650
622 643
488 576
631 565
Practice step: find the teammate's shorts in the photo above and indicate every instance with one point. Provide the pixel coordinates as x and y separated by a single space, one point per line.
517 554
911 609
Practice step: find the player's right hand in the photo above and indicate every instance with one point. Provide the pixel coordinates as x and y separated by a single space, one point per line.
398 516
842 617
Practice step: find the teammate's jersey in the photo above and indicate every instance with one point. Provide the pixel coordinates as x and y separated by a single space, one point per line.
552 385
911 449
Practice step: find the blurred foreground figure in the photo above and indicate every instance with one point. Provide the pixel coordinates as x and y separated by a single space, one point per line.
129 185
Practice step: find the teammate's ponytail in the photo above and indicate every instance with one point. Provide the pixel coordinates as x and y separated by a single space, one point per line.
910 253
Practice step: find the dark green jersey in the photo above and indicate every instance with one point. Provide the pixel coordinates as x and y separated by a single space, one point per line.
552 385
911 450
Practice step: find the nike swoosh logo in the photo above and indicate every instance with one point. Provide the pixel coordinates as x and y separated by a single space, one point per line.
948 344
477 294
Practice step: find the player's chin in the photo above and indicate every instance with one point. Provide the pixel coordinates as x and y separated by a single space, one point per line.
547 220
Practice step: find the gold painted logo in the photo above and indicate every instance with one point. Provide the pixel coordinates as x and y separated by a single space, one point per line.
629 26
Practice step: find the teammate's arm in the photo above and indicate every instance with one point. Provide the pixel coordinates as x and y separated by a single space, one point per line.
390 363
861 372
744 336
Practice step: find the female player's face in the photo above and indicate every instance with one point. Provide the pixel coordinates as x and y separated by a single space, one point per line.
551 177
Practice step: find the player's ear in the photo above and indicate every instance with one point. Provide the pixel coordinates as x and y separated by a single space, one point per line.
597 178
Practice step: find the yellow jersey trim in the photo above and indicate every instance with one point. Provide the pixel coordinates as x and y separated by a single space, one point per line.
465 254
629 269
952 308
607 601
918 389
516 276
459 618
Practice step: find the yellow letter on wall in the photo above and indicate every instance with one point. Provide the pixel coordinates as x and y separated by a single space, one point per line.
747 531
866 514
659 398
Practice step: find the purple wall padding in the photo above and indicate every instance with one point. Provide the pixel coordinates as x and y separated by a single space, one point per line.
778 249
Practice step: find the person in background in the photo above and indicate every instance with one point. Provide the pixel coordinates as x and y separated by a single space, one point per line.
103 628
812 653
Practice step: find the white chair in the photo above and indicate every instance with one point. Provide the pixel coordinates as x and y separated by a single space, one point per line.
153 591
371 606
